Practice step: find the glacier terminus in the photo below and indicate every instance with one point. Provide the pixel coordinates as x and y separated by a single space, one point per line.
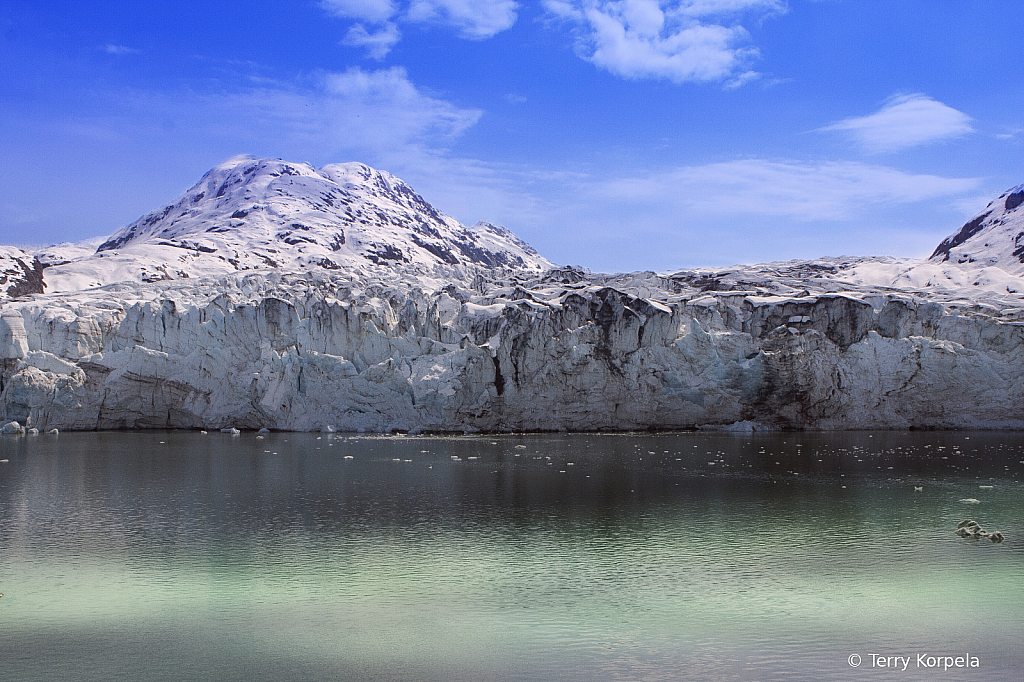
277 295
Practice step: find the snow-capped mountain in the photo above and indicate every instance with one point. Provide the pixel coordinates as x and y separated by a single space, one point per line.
994 237
249 214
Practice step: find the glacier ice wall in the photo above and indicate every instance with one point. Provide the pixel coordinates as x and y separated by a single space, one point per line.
469 349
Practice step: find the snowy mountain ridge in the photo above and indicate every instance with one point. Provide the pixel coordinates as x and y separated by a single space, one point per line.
994 237
251 214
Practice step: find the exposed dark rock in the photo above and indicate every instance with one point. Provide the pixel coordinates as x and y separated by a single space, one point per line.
338 241
437 249
191 246
970 229
969 528
1014 200
381 253
24 278
327 264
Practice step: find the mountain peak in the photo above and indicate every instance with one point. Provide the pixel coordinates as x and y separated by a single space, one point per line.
993 237
249 213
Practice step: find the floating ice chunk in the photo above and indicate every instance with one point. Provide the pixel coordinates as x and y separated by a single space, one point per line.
13 429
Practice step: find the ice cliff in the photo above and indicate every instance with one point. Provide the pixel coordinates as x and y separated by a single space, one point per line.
423 343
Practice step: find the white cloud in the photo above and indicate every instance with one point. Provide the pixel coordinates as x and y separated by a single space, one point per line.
905 121
562 9
376 11
474 19
665 39
327 116
799 191
377 44
747 210
355 111
743 78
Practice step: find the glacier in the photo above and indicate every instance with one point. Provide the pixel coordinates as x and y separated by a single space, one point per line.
487 336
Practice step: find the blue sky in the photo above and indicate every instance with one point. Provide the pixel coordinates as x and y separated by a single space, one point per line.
618 135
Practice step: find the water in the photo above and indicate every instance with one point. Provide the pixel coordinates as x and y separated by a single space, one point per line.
180 556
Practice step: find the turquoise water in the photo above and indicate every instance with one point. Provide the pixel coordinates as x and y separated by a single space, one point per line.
181 556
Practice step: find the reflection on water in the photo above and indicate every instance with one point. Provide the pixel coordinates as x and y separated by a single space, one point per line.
180 556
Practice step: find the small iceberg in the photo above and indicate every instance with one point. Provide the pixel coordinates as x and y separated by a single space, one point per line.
13 429
232 430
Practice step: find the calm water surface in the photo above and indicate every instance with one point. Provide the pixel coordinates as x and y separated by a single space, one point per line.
180 556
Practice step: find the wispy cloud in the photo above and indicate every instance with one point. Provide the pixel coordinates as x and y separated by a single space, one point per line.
679 41
799 191
472 19
376 11
905 121
701 8
120 49
377 44
329 115
354 111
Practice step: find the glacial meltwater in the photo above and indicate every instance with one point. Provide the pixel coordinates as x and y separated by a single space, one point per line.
690 556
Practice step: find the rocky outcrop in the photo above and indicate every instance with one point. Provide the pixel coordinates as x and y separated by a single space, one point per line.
969 528
21 273
467 349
